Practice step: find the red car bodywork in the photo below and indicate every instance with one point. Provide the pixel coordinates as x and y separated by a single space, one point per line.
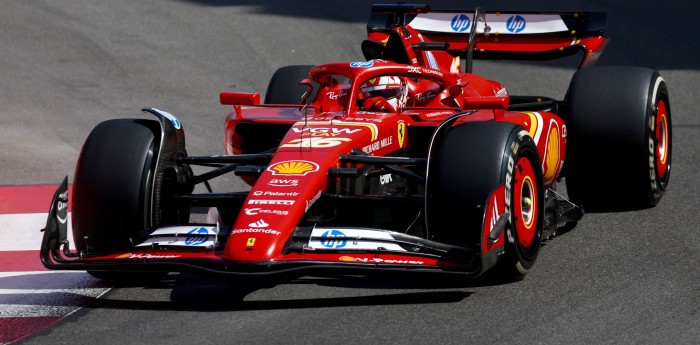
334 124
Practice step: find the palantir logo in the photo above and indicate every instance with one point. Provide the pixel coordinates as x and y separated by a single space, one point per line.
460 22
333 239
196 236
516 24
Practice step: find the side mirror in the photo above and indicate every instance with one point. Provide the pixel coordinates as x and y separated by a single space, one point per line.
309 90
455 91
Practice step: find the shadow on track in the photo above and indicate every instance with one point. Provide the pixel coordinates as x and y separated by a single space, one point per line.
192 292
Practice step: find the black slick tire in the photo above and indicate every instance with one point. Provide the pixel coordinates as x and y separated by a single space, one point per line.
465 168
284 85
619 138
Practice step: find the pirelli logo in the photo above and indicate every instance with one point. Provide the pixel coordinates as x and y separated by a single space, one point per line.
270 202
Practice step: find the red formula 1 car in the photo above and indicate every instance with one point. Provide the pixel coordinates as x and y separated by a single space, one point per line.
406 162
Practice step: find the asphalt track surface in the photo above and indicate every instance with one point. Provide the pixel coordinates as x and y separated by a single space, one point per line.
624 278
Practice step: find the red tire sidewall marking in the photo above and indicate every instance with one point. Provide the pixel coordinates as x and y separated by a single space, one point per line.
525 184
662 140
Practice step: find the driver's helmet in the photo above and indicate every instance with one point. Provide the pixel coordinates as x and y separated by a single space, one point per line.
393 89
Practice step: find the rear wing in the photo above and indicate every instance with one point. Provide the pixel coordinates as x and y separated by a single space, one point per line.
497 35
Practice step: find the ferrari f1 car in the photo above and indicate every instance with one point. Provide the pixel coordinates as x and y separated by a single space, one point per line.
405 162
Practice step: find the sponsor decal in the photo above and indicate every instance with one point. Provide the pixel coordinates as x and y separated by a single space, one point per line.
432 71
346 258
652 170
259 224
312 201
196 236
270 202
266 193
460 22
315 142
509 179
169 116
416 69
439 113
333 239
333 95
355 122
363 119
362 64
379 144
283 183
384 179
401 132
250 242
293 168
516 24
651 145
353 239
60 206
146 256
325 132
256 231
255 211
422 97
182 236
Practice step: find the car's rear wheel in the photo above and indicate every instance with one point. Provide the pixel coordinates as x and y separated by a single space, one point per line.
472 161
619 138
284 85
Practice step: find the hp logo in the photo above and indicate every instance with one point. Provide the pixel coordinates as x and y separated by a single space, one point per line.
515 24
460 23
361 64
333 239
196 236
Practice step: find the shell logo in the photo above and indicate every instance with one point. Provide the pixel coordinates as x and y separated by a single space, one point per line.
124 256
346 258
293 168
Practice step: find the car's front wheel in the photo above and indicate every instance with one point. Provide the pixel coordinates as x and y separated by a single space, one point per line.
465 168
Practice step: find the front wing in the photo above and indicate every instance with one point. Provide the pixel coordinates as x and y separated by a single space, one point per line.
380 252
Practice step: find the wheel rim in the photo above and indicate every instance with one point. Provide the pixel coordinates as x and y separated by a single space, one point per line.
662 140
526 213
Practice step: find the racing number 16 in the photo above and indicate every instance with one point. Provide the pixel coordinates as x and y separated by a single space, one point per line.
315 142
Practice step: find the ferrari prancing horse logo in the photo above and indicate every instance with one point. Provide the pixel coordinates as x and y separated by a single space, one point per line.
402 133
